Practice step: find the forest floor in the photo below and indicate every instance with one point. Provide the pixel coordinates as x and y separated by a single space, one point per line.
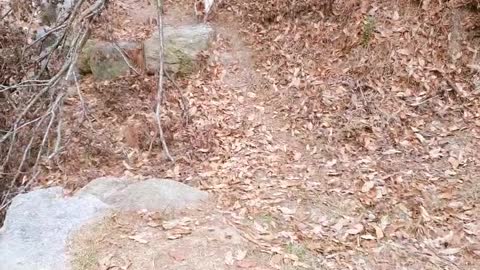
330 144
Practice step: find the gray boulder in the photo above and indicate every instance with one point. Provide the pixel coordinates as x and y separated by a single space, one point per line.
38 225
106 61
182 48
182 45
152 194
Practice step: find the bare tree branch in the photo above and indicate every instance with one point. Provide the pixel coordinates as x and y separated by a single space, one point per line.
37 120
159 98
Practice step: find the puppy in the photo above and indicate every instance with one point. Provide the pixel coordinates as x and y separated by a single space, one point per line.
202 9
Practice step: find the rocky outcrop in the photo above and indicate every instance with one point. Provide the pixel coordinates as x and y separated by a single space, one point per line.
39 224
151 194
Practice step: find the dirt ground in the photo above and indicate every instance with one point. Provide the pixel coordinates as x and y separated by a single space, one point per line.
356 153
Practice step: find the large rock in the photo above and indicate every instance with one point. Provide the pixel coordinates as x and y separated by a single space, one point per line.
106 61
182 45
152 194
39 224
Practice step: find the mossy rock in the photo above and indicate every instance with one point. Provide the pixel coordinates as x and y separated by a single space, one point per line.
104 60
182 45
83 61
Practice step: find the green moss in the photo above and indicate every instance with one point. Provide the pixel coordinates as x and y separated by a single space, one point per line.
368 29
297 250
268 219
106 63
83 61
178 61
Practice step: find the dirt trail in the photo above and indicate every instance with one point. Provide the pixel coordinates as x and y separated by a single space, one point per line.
297 199
263 186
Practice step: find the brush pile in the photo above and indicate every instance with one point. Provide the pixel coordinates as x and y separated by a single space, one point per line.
35 63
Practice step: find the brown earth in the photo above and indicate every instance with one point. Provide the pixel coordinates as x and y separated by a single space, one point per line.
346 142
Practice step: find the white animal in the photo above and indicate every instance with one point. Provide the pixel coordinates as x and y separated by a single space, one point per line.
203 8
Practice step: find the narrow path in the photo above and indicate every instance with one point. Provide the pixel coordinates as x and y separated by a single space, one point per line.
275 180
301 198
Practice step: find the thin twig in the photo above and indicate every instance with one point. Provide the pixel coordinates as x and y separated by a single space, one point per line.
125 58
183 99
44 101
6 14
82 101
158 107
44 36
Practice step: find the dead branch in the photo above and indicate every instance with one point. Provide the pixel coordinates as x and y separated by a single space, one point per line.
125 58
159 98
38 116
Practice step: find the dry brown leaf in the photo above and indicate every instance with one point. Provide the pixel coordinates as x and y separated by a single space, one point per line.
355 229
246 264
178 232
261 229
140 238
153 224
287 211
170 224
450 251
368 237
367 186
177 255
403 51
378 232
240 254
229 260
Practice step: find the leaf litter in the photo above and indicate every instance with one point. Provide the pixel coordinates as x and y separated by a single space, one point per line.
350 131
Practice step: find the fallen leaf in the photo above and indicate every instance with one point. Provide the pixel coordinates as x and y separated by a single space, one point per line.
403 51
153 224
139 238
378 232
105 262
170 224
177 255
241 254
450 251
368 237
391 152
171 236
287 211
261 229
454 162
302 265
340 224
246 264
355 229
229 260
367 186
